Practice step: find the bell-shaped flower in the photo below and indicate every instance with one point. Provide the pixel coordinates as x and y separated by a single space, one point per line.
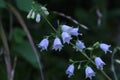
29 14
45 10
66 28
57 45
38 18
89 72
43 44
70 70
66 37
99 63
33 15
79 45
105 47
74 31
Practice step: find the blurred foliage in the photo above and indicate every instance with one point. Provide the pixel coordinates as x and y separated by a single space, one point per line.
24 5
2 4
54 63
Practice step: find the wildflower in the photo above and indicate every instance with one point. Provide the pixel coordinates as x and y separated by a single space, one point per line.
66 37
99 63
79 45
105 47
57 45
66 28
74 32
45 10
33 15
38 18
43 44
89 72
29 14
70 70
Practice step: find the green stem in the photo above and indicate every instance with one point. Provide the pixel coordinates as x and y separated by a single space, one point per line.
83 53
79 61
112 64
94 64
48 22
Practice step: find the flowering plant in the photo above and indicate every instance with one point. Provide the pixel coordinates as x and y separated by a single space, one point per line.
67 34
76 47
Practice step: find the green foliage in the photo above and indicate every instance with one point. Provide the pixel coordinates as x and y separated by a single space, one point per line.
23 47
24 5
26 52
18 35
2 4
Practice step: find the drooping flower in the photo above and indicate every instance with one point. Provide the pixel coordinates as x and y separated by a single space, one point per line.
43 8
79 45
105 47
74 32
66 28
66 37
38 18
30 14
33 15
99 63
89 72
45 11
43 44
57 45
70 70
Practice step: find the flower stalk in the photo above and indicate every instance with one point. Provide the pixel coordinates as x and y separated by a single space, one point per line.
94 64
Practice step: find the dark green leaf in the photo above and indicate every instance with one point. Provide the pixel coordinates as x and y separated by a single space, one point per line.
26 52
2 4
18 35
24 5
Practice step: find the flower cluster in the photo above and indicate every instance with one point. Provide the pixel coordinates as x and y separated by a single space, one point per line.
89 72
66 35
36 14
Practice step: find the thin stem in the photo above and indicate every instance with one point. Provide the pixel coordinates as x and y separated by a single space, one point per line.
70 18
112 64
14 65
79 61
83 53
49 23
23 25
6 52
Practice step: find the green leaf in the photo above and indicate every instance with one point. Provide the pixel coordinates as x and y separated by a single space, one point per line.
2 4
25 51
24 5
18 35
96 45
